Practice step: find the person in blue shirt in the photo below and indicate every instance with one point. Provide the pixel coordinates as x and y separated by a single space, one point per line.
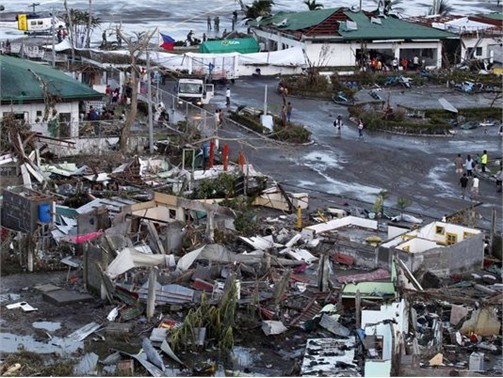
205 154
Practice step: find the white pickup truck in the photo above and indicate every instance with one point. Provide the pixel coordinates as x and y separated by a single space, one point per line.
194 91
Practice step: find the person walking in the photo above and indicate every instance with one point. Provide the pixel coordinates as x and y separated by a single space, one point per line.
475 188
338 125
217 23
208 23
360 129
483 161
459 163
228 96
469 163
283 115
289 108
221 116
463 181
217 118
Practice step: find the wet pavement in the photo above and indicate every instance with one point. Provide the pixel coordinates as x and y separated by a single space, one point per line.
335 170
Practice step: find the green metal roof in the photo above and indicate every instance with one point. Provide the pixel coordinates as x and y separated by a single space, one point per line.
388 28
498 16
296 20
240 45
22 80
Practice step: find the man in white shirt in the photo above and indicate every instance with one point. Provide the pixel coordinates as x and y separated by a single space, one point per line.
228 96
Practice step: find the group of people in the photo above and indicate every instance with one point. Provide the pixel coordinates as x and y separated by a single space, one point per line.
216 22
338 124
467 170
376 64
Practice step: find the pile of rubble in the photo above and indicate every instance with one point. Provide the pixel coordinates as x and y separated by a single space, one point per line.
333 295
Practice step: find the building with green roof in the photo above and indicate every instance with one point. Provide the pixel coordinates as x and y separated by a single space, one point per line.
26 87
342 37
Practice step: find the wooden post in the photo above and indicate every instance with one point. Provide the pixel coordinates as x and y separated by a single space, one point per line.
210 229
241 161
30 253
492 231
152 281
358 309
299 218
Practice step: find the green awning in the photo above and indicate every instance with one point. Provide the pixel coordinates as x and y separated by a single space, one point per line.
240 45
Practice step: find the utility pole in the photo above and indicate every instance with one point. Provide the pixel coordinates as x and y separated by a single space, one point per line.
149 102
53 30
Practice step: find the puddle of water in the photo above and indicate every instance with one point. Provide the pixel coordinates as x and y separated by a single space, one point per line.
10 343
243 357
48 326
9 297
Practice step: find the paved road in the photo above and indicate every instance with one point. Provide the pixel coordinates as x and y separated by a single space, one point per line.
334 170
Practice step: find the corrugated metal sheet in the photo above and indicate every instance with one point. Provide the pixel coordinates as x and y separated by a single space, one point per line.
21 78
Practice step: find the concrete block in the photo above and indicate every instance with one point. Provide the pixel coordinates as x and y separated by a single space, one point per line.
46 288
65 297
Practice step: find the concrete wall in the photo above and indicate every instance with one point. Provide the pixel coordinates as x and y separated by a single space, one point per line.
95 146
443 261
172 235
364 255
92 276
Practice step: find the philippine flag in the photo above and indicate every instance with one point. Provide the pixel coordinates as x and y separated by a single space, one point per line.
168 43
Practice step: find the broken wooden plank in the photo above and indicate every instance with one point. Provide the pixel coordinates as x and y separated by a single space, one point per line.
155 236
26 176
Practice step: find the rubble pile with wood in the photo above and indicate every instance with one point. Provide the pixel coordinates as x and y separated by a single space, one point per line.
329 294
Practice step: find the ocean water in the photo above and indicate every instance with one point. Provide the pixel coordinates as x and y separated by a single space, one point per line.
178 17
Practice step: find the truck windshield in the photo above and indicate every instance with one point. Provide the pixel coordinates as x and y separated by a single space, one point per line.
192 88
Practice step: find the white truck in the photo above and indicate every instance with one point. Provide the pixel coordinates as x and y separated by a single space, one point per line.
195 91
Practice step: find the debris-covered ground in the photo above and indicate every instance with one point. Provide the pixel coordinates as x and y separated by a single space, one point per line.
150 265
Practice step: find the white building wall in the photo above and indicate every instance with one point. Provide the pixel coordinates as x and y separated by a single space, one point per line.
470 42
330 55
30 110
418 245
429 231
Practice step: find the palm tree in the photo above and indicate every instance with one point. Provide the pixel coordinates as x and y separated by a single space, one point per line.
313 5
259 8
389 6
79 23
443 8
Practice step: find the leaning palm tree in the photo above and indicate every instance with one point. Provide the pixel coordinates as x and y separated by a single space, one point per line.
444 8
313 5
259 8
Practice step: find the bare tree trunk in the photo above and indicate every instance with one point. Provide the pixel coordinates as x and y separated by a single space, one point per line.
71 34
126 129
89 24
135 48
